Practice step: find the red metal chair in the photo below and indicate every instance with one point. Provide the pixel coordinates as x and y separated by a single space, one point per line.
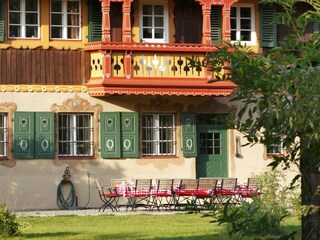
250 191
228 191
162 194
186 193
205 194
108 196
139 194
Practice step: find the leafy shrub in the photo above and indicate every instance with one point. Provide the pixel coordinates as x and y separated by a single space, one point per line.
261 217
8 224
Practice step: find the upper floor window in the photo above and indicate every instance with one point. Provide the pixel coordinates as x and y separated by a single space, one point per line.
154 22
158 134
3 136
65 19
23 19
242 24
75 134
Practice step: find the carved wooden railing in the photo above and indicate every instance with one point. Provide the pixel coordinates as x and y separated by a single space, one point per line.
148 60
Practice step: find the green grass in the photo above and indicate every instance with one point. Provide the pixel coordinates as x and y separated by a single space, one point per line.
172 226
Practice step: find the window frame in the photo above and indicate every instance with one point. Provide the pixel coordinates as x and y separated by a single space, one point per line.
156 139
23 25
64 24
274 146
253 34
165 27
4 138
73 130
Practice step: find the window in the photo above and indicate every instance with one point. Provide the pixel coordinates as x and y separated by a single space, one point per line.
3 136
158 134
23 18
75 135
65 19
275 148
154 22
242 24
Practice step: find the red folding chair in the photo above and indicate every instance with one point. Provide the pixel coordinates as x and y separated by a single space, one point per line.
228 191
205 194
139 194
186 193
108 196
162 194
250 191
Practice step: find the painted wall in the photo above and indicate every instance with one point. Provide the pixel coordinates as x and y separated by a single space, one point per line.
32 184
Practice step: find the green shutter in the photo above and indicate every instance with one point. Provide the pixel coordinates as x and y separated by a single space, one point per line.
110 135
95 20
268 29
215 22
189 135
44 135
1 20
24 135
130 134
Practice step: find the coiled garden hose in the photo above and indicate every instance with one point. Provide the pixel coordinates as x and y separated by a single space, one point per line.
71 200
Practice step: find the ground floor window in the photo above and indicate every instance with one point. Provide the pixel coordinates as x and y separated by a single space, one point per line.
3 135
75 134
158 134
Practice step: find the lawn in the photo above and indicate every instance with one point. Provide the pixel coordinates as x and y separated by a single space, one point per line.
169 226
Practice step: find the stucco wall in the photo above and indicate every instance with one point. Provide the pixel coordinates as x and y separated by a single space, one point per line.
32 184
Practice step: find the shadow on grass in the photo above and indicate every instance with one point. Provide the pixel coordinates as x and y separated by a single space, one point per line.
58 235
135 236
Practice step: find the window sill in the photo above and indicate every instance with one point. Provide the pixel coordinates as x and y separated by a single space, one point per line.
76 158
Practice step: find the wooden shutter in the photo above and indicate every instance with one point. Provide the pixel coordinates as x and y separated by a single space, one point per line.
130 134
1 20
268 30
95 20
44 135
215 21
24 135
110 135
189 135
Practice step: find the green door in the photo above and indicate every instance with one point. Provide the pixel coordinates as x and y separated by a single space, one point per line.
212 159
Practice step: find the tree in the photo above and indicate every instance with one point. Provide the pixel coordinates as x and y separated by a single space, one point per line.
279 92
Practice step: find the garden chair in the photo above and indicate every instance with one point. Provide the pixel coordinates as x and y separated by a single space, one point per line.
186 193
120 186
139 194
228 191
250 191
205 194
107 195
162 195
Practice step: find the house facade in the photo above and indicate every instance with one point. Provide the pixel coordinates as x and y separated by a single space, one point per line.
104 87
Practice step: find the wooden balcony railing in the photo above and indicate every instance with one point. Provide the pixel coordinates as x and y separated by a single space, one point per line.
116 66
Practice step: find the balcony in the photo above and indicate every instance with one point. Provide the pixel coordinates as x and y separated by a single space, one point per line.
151 69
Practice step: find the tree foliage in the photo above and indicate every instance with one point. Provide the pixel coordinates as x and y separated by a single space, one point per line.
279 92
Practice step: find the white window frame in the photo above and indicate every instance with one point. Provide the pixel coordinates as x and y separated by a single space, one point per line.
65 25
275 146
238 29
23 25
155 129
4 135
165 38
72 141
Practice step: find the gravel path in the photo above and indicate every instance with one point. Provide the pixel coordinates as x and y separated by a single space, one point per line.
85 212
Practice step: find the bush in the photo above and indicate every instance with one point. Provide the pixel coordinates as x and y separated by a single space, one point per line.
261 217
8 223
